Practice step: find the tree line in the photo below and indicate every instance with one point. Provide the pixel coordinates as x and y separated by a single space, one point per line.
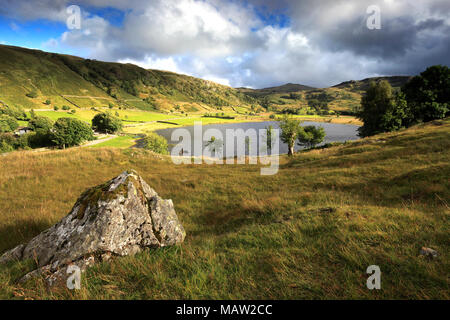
424 98
64 132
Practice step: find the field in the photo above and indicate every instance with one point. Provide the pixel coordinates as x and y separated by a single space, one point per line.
125 141
309 231
137 121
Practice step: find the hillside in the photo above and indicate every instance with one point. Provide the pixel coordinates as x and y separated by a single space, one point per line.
84 83
308 232
363 85
300 99
42 80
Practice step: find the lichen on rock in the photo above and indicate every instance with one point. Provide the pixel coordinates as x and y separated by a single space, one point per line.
118 218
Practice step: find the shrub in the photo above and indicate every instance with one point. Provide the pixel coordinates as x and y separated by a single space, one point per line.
65 107
47 102
40 123
68 132
32 94
55 108
156 143
8 123
15 112
106 122
23 141
42 127
5 147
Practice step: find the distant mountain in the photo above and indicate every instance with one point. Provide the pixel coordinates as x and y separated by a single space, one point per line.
363 85
28 78
285 88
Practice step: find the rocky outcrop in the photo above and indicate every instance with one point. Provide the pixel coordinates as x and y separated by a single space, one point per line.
118 218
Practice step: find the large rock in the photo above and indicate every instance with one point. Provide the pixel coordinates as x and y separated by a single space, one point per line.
118 218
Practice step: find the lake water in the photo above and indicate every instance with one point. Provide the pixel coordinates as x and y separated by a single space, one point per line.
334 132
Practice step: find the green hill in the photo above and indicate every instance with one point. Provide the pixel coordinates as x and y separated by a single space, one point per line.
296 98
28 78
363 85
42 80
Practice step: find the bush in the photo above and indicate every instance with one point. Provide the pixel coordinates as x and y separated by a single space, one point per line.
32 94
106 122
47 102
8 123
68 132
65 107
55 108
40 123
6 142
15 112
156 143
42 127
5 147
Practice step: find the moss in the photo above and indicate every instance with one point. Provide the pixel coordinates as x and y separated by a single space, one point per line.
92 196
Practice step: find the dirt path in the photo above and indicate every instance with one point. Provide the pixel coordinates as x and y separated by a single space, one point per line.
85 97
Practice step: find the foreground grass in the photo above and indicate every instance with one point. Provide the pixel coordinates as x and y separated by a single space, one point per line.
308 232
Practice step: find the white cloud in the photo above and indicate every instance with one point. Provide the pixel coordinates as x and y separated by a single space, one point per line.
167 64
325 42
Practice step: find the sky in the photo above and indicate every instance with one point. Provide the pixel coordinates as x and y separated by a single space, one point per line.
251 43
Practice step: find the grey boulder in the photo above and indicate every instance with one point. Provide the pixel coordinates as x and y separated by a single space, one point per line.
118 218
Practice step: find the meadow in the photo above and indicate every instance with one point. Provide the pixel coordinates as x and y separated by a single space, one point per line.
308 232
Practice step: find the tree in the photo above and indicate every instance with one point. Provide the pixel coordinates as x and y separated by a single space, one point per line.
428 95
8 123
68 132
269 138
381 110
156 143
310 136
106 122
42 126
289 132
40 123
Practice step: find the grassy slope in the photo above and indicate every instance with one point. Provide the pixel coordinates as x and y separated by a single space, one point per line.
258 237
343 97
68 80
